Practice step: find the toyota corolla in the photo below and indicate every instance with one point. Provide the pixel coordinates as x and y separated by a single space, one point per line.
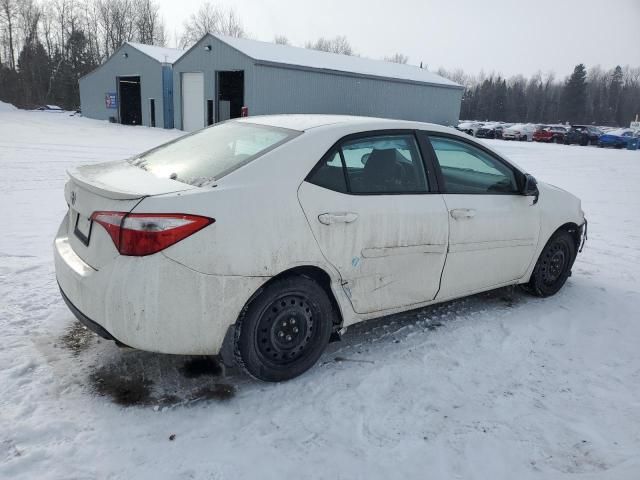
260 238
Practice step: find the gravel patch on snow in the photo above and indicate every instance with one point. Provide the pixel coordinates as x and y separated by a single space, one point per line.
498 385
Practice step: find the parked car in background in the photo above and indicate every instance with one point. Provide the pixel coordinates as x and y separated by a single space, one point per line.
620 138
490 130
469 127
151 255
50 109
549 134
582 135
519 131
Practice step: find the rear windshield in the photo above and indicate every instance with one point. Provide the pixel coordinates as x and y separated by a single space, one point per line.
203 157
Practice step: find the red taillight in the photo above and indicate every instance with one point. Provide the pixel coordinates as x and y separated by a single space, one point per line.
139 234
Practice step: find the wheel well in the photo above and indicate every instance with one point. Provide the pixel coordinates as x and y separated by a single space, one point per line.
317 274
573 230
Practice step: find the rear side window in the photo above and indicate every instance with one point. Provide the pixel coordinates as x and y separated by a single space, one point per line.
329 173
207 155
467 169
382 164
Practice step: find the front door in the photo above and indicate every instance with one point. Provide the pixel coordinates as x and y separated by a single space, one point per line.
493 229
130 100
369 206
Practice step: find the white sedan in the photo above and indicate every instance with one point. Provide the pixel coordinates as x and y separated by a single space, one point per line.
259 238
520 131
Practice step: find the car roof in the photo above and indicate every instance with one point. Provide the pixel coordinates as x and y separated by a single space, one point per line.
304 122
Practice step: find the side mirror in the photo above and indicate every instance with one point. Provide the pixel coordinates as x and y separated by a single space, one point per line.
530 188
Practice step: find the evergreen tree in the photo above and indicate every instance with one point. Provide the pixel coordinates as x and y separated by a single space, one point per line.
574 98
615 92
500 106
34 71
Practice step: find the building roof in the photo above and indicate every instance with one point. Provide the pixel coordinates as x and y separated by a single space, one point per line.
286 55
161 54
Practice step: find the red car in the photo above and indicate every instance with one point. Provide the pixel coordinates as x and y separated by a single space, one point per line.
549 134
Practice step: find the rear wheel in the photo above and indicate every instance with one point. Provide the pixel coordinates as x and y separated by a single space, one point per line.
554 265
284 330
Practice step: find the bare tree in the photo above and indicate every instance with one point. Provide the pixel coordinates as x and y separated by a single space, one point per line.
397 58
211 18
8 15
457 76
28 19
149 25
117 23
339 44
281 40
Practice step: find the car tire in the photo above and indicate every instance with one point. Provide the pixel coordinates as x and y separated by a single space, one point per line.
557 140
553 266
283 331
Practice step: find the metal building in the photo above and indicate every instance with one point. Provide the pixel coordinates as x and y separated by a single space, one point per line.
224 77
134 86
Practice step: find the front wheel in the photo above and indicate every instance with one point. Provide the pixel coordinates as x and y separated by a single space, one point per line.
554 265
284 330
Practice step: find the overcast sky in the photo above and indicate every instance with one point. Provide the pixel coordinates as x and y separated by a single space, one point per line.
504 36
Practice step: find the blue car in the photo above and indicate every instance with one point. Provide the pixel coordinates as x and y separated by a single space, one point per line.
620 138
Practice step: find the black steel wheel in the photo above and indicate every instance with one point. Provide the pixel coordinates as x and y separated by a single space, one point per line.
554 265
284 330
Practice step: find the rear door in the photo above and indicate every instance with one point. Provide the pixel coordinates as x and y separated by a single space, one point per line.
493 229
371 207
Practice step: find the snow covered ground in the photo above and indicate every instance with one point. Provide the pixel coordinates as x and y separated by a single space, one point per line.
497 386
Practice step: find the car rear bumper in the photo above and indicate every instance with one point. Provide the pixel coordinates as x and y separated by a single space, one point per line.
152 303
86 321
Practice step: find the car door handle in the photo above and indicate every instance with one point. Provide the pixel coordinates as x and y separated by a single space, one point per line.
459 213
329 218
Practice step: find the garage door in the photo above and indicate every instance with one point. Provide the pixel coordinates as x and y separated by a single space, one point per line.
192 101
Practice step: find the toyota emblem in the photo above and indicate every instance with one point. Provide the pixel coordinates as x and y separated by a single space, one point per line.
73 198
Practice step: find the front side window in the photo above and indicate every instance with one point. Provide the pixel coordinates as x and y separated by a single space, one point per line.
469 170
209 154
382 164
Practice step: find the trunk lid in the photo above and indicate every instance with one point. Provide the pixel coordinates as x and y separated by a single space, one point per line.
114 186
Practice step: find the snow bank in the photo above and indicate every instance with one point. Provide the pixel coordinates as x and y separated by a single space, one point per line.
7 107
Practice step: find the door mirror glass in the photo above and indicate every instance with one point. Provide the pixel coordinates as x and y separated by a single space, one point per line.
530 187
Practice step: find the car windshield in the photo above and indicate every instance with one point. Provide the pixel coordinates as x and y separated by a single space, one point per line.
203 157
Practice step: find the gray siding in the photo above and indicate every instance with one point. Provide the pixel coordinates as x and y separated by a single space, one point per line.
103 80
272 89
221 57
288 90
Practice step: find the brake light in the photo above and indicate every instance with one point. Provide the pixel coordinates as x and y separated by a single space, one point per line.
139 234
